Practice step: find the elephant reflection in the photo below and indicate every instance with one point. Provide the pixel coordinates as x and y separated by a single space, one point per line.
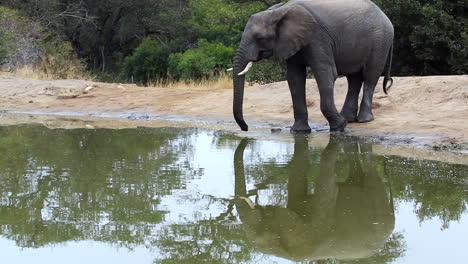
349 215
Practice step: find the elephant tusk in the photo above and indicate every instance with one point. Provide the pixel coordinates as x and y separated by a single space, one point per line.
248 201
247 68
230 69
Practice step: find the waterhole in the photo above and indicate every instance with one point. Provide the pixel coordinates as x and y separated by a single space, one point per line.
188 195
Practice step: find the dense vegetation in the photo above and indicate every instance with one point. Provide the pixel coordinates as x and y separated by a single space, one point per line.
148 40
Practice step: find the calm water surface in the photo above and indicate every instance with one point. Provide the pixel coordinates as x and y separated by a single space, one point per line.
173 195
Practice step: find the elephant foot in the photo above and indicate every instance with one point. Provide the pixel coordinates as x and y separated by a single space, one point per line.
339 125
365 116
301 126
351 117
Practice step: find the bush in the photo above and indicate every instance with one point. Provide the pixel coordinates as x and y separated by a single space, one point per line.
59 61
149 62
3 47
431 37
207 61
266 71
19 39
222 21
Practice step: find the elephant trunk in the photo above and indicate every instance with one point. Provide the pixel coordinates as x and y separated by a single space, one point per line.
238 82
240 189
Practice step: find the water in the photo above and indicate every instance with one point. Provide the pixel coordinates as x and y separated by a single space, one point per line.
179 195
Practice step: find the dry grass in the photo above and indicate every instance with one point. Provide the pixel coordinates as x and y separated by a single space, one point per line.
224 82
29 71
26 71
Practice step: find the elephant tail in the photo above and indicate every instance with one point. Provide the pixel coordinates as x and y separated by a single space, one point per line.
388 67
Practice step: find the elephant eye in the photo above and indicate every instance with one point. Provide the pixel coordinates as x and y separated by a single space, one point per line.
265 39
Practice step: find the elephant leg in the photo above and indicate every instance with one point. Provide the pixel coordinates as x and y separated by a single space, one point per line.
326 83
350 106
296 75
373 71
365 110
298 169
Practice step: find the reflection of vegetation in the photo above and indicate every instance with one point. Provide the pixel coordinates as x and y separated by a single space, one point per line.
212 241
107 185
438 189
59 185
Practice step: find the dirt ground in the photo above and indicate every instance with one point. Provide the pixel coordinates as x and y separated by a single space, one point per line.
433 109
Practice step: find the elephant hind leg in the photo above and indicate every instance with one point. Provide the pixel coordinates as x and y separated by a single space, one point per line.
371 74
365 110
350 106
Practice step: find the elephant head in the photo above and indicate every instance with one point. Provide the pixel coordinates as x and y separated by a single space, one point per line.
349 216
281 31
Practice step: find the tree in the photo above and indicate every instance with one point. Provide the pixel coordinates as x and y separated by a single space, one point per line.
431 36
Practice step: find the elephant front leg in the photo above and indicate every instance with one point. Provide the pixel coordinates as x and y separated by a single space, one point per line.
326 83
296 75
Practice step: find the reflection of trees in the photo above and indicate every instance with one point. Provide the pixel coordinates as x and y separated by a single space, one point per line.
105 185
211 241
59 185
438 189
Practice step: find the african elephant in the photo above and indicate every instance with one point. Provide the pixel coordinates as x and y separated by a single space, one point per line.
349 216
333 38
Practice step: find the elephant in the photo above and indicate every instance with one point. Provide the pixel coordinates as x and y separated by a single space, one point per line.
333 38
349 216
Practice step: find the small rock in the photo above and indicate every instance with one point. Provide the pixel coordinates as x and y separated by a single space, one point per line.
67 96
276 130
88 89
30 101
310 102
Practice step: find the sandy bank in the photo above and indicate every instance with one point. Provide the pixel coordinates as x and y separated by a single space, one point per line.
433 109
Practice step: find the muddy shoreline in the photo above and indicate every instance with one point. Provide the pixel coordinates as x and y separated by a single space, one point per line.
410 146
428 113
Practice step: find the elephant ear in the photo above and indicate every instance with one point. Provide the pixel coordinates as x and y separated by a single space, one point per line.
275 6
294 30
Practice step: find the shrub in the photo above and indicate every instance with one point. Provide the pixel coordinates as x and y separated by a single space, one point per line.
3 47
431 37
19 39
266 71
222 21
149 62
207 61
59 61
190 65
27 50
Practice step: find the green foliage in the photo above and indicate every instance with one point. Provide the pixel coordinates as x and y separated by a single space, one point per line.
60 61
3 47
5 35
431 36
19 39
149 62
221 20
266 71
204 62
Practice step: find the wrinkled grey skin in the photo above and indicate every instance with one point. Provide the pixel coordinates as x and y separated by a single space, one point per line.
351 38
350 215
